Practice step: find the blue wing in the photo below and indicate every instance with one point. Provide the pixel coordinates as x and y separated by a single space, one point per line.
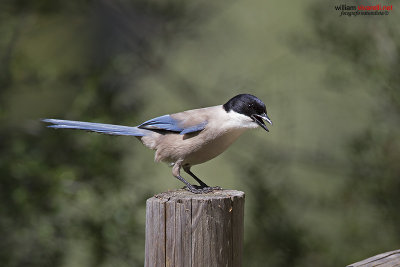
168 123
195 128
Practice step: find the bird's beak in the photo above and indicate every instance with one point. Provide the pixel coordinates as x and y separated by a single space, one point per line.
259 120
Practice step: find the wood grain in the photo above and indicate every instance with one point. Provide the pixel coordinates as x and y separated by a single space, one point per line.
185 229
391 258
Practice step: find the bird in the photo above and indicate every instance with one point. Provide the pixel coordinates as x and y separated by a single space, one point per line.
188 138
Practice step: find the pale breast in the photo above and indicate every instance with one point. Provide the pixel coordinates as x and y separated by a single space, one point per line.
196 148
221 131
213 148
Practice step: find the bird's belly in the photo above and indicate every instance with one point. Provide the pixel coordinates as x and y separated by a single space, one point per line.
195 149
212 148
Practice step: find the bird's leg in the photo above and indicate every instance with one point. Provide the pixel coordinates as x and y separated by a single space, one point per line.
203 185
192 188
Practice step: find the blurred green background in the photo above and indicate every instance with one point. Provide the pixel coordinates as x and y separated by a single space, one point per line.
322 188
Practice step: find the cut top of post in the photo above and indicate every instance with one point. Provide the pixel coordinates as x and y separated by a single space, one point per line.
184 194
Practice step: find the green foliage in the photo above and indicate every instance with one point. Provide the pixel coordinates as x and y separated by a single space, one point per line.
64 197
322 187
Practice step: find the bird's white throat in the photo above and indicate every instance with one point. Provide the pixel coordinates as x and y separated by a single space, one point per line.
239 121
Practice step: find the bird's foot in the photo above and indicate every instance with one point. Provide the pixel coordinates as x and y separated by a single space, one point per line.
196 189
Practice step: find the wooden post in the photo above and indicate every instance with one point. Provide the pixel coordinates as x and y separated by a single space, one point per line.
387 259
188 230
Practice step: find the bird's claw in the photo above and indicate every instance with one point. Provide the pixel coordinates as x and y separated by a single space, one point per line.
196 189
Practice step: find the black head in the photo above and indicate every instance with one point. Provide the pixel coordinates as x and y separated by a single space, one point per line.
250 106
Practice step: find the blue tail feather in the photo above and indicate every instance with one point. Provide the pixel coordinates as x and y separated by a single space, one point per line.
96 127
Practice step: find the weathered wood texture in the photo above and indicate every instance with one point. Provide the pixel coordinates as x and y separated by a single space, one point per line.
391 258
189 230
